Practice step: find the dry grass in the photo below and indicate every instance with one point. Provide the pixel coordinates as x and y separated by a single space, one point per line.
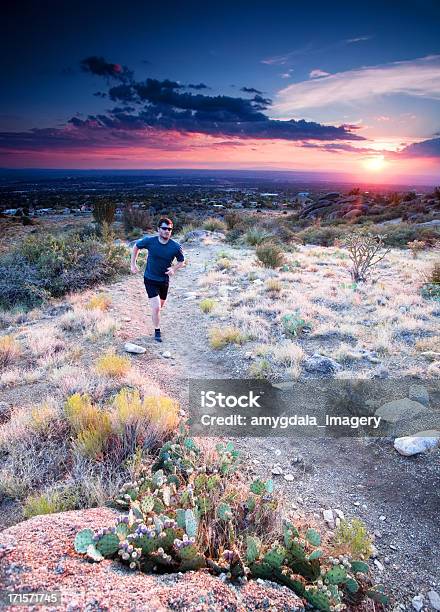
112 365
219 337
273 285
288 354
101 301
45 341
10 350
206 305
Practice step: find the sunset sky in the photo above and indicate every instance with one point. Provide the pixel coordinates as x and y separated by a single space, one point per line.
321 86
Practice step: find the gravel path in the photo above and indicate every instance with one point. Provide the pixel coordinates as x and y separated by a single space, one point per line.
397 497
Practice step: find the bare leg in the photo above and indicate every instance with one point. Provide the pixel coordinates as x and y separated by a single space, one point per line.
155 311
162 303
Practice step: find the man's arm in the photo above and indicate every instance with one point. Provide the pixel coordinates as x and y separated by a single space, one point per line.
172 269
134 254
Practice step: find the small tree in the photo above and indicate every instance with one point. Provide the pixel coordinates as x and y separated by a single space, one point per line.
365 251
104 211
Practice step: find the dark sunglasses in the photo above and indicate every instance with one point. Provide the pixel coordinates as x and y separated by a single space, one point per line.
170 229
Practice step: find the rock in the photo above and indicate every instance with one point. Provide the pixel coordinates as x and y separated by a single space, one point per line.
321 364
129 347
411 427
352 214
126 319
329 518
381 373
434 599
379 565
289 477
413 445
433 223
93 585
382 517
166 354
339 514
277 452
430 355
417 602
419 393
277 470
400 409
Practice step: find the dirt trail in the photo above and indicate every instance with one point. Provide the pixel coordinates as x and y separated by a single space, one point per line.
398 498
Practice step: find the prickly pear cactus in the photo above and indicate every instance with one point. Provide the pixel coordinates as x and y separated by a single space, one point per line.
83 539
336 575
275 556
318 599
224 511
190 523
313 537
108 544
253 546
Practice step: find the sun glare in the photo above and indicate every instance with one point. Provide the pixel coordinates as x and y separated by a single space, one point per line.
375 164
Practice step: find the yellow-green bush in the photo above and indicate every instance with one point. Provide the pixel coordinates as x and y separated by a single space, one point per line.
112 365
50 502
10 350
214 225
224 263
101 301
353 537
220 337
273 285
206 305
270 254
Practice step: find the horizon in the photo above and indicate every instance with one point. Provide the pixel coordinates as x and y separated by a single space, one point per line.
215 89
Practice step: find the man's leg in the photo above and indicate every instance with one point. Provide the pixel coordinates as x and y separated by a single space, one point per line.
155 311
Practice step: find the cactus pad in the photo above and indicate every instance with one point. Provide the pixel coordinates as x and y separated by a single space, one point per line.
252 549
83 539
108 544
313 537
336 575
190 523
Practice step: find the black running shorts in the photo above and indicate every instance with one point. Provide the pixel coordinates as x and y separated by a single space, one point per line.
155 288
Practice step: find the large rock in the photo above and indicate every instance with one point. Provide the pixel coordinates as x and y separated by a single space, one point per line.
129 347
419 393
38 555
400 409
420 443
321 364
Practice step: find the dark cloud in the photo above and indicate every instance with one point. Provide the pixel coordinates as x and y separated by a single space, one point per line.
426 148
198 86
251 90
100 94
100 67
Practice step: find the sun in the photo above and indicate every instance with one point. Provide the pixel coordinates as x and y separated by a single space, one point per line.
375 164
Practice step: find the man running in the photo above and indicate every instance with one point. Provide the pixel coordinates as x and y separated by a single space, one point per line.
161 252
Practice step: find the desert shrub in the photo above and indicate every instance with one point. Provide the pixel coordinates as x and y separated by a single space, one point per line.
416 246
232 219
234 235
273 285
321 236
353 537
431 287
213 224
206 305
260 369
104 211
112 365
400 234
136 219
10 350
365 251
270 255
55 265
220 337
223 263
256 236
99 302
21 284
50 502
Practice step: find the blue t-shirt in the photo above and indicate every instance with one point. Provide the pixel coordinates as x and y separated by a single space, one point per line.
160 256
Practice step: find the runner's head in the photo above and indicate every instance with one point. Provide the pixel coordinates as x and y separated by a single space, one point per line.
165 228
